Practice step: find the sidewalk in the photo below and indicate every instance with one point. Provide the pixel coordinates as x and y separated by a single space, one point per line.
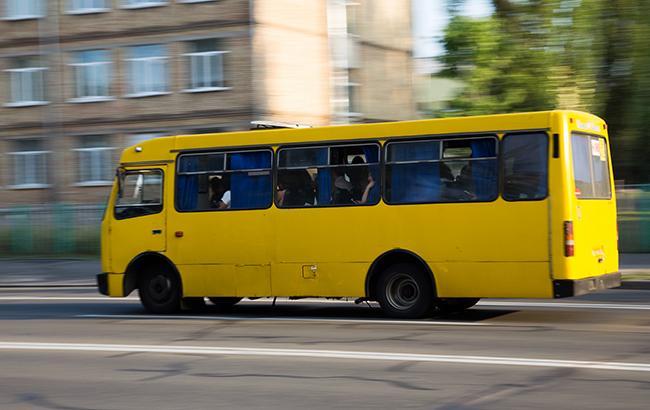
81 272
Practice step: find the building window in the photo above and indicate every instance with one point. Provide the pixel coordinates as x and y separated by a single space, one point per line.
87 6
205 65
29 164
137 4
95 160
147 70
91 75
27 78
24 9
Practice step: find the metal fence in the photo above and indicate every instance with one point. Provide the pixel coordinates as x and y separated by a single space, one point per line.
61 229
57 229
634 218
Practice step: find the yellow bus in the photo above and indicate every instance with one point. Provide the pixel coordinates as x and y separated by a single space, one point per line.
422 216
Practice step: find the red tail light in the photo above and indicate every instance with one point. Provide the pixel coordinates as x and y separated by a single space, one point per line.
568 239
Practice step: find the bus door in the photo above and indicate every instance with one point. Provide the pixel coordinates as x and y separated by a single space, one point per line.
594 224
138 219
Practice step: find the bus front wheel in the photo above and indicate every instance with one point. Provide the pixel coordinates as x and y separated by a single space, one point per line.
159 289
405 291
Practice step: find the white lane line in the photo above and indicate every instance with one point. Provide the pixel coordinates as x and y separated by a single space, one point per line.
574 305
484 303
287 319
68 298
328 354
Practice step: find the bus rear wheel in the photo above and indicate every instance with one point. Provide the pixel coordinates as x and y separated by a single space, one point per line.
224 303
405 291
159 289
455 305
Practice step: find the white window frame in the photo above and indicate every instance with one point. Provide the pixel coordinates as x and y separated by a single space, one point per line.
146 89
194 1
127 4
205 56
28 171
19 75
78 68
96 156
71 9
40 6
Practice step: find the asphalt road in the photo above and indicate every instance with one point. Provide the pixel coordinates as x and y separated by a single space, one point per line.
74 349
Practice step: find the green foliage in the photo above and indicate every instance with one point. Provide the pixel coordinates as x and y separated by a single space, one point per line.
590 55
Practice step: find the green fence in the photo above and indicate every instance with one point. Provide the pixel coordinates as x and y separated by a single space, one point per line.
634 218
62 229
57 229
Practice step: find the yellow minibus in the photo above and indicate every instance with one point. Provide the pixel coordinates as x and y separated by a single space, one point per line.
422 216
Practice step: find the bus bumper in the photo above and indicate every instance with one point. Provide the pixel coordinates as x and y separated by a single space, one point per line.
111 284
563 288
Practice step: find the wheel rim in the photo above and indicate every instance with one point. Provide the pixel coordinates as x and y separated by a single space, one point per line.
402 291
160 288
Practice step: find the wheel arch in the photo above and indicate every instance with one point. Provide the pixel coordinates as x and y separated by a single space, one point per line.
392 257
146 259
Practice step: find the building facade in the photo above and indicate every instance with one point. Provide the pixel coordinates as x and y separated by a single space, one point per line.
82 79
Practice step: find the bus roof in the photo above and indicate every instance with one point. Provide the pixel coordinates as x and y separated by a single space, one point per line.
166 148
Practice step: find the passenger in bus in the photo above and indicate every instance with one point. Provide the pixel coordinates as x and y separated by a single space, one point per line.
342 193
220 197
295 188
361 180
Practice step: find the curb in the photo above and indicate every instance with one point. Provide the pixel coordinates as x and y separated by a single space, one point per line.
47 285
635 285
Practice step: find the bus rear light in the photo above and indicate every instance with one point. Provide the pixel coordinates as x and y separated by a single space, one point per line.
569 243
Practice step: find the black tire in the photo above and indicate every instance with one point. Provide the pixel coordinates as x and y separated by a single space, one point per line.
223 303
194 304
449 306
160 289
405 291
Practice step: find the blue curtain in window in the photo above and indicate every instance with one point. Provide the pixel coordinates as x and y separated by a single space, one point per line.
250 190
419 182
372 156
324 179
484 173
187 186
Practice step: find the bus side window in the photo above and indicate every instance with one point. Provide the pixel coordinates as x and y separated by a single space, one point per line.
221 181
328 175
525 166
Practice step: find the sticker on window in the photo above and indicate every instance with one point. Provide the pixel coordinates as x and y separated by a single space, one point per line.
595 147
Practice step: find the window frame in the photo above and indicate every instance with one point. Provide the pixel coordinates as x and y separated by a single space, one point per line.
17 74
36 185
379 163
76 67
223 151
549 156
205 54
591 166
441 139
126 4
93 182
87 10
41 5
130 60
161 205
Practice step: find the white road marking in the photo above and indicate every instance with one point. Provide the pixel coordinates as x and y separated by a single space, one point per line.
68 298
483 303
329 354
571 305
288 319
